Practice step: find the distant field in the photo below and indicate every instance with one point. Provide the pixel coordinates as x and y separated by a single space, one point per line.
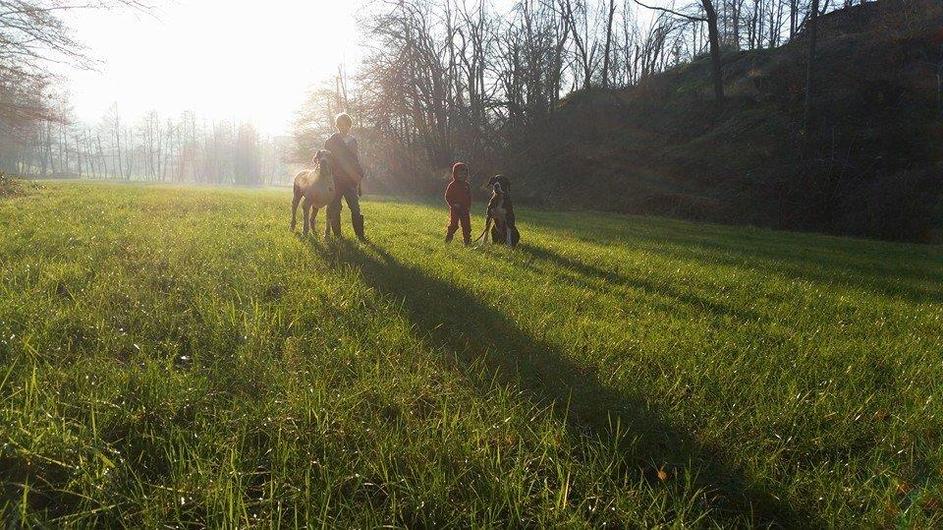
176 357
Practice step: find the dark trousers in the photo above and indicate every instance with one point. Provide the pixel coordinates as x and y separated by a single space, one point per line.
334 209
459 216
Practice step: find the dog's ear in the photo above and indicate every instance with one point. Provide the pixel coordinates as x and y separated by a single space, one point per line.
501 181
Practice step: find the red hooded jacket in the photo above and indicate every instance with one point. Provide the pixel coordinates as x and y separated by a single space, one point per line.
458 194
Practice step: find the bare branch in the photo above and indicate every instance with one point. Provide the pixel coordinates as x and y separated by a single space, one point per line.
673 12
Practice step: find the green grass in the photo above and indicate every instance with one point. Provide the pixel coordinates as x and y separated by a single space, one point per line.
175 356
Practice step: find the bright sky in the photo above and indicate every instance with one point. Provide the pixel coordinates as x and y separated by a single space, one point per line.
223 59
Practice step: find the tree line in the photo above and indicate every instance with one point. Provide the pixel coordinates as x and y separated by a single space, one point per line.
448 79
153 148
39 137
440 80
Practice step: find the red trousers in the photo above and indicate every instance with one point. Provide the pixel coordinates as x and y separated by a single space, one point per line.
459 216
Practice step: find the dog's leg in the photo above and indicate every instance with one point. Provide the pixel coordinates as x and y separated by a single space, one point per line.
314 220
306 207
514 237
294 208
334 217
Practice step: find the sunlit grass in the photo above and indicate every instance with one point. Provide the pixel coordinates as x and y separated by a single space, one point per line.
174 356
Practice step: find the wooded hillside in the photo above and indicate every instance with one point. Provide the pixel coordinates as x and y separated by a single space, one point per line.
850 145
869 163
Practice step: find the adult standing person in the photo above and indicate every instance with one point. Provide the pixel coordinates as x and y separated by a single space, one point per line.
348 174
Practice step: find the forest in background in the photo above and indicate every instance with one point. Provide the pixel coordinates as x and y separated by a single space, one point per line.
152 149
41 138
811 115
462 79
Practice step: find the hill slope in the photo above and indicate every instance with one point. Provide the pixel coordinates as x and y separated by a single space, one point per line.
176 357
871 164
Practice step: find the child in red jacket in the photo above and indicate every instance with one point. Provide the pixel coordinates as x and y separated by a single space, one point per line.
458 197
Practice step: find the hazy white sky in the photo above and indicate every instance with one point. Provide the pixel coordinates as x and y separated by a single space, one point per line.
234 59
239 60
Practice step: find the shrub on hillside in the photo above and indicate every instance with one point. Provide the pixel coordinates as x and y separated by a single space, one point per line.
899 206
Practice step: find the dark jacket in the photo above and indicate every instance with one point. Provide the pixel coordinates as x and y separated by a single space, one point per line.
347 170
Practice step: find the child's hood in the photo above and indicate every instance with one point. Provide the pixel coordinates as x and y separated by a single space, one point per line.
456 170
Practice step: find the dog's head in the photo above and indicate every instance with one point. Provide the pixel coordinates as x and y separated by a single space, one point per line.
500 185
324 161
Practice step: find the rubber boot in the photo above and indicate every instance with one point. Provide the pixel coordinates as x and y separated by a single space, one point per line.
358 227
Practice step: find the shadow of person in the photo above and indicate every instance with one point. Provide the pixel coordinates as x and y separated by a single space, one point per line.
458 321
910 272
613 278
852 267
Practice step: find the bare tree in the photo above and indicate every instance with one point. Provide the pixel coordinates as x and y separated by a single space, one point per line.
34 35
608 47
710 18
810 67
577 15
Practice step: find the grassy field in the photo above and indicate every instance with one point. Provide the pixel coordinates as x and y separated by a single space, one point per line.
176 357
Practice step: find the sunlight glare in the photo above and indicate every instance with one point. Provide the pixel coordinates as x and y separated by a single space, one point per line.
241 61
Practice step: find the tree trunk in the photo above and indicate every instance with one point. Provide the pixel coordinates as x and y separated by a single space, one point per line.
605 59
810 67
714 37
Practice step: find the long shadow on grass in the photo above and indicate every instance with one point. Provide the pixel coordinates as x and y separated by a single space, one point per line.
459 322
871 266
843 268
662 290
